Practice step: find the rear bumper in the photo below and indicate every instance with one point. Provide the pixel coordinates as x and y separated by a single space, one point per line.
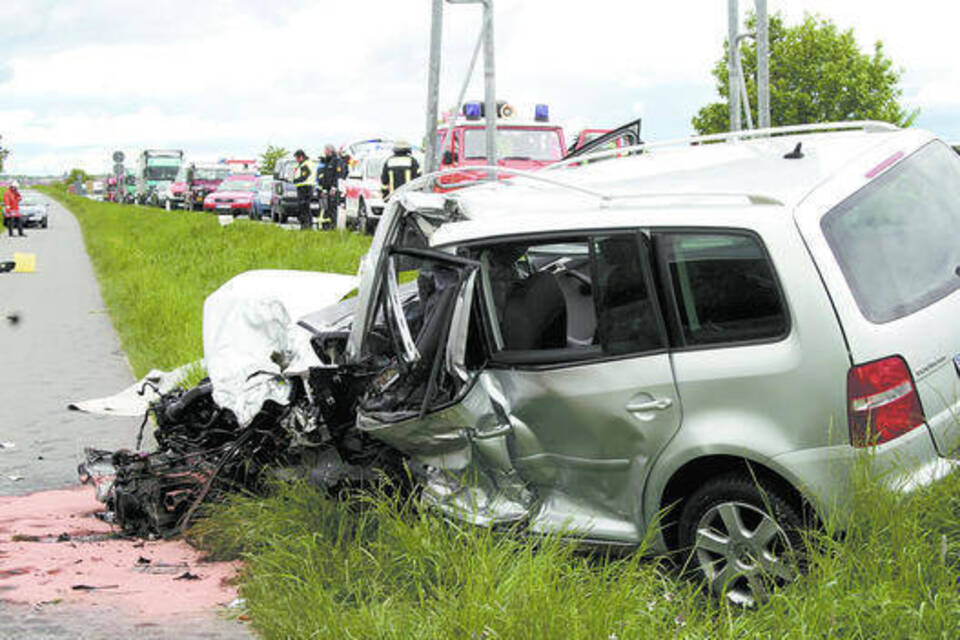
826 475
234 209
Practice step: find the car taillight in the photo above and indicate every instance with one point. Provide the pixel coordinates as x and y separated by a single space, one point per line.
882 402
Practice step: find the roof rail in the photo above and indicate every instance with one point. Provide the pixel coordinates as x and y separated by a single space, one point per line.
753 198
428 179
867 126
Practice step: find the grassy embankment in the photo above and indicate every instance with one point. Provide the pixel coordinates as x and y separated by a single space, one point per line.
375 568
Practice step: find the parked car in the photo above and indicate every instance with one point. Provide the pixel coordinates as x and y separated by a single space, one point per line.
363 197
263 199
235 195
201 180
284 205
34 211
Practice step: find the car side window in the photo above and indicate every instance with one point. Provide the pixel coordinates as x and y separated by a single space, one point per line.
570 299
724 287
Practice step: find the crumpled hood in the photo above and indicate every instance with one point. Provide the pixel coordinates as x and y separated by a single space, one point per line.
252 317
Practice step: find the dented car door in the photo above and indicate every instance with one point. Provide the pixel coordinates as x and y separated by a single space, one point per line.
564 389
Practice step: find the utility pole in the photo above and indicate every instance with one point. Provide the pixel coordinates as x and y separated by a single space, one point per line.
763 65
490 86
489 80
733 68
737 86
433 86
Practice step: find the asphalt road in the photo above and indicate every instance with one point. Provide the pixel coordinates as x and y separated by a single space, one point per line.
64 349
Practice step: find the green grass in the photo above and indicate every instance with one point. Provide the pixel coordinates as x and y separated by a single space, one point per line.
156 268
375 567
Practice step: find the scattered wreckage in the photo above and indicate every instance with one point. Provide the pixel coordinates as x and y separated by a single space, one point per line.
380 385
285 395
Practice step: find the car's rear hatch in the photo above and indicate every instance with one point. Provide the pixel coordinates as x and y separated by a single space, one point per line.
890 257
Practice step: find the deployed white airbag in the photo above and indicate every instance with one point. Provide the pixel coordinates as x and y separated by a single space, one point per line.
250 334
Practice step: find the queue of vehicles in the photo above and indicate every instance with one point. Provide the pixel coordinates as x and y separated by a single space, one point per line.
526 140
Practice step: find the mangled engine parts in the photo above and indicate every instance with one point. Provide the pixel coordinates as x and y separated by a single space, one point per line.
203 452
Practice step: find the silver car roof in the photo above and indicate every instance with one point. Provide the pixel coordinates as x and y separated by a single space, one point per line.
742 175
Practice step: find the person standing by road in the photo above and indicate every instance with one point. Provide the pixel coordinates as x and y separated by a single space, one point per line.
304 177
399 169
11 208
329 179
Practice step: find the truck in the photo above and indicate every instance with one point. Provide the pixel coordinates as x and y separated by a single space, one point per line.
200 180
156 169
526 140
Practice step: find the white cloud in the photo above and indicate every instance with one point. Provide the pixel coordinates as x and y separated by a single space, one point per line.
231 76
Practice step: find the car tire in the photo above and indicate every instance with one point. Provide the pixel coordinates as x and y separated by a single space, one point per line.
45 223
741 535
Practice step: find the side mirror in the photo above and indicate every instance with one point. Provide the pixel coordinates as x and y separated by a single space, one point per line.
449 157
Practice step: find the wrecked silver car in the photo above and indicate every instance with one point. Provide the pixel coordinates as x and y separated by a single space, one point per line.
667 339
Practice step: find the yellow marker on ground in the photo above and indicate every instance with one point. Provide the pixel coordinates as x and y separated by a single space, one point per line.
26 262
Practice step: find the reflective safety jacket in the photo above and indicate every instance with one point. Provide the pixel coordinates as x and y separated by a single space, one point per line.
305 174
398 170
11 204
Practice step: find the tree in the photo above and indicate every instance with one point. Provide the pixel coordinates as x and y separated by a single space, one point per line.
75 175
817 74
268 159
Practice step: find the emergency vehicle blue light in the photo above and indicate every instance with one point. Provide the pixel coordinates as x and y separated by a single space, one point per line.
541 113
473 110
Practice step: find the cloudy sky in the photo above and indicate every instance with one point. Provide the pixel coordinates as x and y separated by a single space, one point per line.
80 78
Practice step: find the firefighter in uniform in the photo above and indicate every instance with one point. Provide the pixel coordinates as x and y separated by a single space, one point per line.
399 169
304 178
328 176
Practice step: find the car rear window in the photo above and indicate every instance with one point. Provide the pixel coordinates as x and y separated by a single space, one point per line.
724 288
895 240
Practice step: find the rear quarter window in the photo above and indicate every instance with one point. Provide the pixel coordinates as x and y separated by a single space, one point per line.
897 240
725 290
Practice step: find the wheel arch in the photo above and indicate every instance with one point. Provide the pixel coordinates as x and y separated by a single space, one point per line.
697 471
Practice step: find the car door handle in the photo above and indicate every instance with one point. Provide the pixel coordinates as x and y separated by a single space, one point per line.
496 432
650 405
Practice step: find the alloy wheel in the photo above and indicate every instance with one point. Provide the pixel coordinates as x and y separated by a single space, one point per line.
742 552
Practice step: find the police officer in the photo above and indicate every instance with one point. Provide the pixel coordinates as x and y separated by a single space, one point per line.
329 179
304 177
399 169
